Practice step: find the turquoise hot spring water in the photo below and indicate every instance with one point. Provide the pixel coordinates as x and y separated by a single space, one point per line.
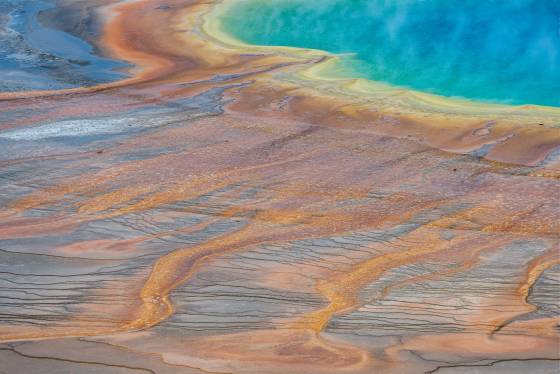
493 51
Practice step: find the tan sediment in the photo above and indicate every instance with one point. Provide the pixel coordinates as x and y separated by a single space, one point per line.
179 52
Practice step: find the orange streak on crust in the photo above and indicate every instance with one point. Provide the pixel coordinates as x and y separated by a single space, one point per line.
535 269
125 36
170 271
341 290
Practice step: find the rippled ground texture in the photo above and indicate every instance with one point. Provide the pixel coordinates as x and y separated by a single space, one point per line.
214 212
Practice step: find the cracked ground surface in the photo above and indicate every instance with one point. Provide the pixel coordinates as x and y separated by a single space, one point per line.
211 213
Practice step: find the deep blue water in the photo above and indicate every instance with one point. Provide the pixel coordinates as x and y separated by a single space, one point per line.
33 56
505 51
